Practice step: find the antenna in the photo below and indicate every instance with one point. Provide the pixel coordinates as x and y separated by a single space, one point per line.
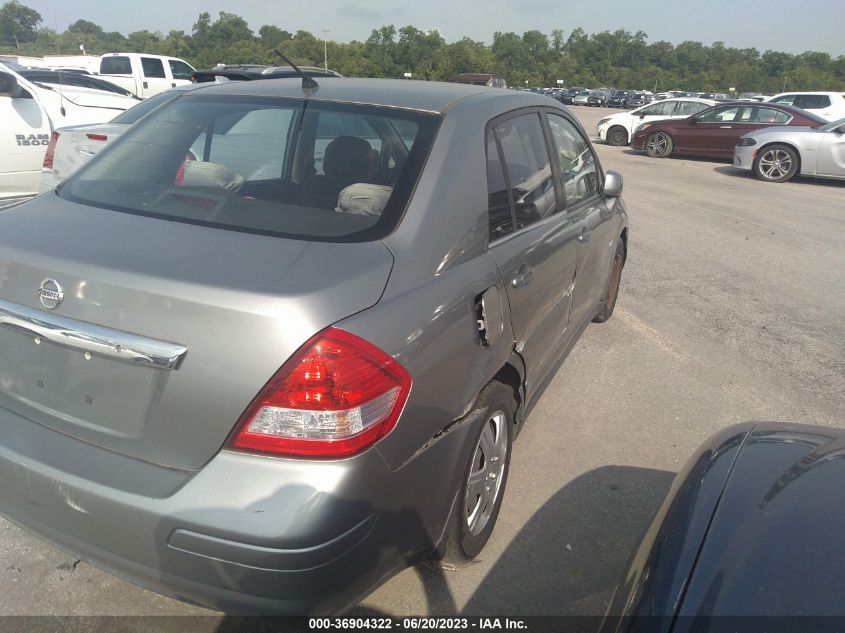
61 94
309 85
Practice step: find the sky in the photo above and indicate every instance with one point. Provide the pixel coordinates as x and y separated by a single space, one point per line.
782 25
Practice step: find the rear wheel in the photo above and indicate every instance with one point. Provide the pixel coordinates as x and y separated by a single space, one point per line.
617 135
658 145
776 163
483 483
612 286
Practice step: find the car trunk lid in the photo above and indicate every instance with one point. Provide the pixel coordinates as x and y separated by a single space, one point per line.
79 143
166 331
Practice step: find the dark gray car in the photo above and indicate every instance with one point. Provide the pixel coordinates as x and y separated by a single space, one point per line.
271 346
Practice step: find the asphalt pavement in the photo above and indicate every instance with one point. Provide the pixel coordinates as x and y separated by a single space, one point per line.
730 310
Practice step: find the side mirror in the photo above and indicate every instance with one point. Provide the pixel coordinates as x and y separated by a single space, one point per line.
612 184
9 85
840 129
693 120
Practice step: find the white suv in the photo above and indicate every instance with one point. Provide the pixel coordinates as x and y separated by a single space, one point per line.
827 105
617 129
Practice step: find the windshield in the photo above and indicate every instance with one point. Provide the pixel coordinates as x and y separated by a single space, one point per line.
284 167
145 107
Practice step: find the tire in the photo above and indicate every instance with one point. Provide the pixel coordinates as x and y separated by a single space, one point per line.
658 145
477 508
617 135
776 163
613 283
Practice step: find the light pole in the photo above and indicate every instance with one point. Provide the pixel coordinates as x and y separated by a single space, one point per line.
784 83
325 51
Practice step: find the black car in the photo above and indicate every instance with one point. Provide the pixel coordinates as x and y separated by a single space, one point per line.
618 98
569 94
751 527
598 98
71 78
249 72
637 99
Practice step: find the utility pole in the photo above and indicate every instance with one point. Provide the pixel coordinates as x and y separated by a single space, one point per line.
784 83
325 51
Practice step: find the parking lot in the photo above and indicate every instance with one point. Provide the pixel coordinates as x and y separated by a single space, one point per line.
730 310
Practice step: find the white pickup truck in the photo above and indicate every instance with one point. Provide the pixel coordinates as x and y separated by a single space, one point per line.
30 112
144 75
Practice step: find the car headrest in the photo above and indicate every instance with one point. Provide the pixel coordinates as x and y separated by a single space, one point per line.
347 157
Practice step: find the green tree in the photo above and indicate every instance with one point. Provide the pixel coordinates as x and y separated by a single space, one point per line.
271 36
18 23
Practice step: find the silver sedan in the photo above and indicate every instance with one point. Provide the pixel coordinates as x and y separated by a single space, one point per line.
274 344
776 154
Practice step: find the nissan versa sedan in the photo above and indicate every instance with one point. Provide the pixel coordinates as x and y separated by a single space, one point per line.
715 131
273 344
778 154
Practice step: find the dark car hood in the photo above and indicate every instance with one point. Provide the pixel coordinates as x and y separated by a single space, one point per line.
751 526
775 543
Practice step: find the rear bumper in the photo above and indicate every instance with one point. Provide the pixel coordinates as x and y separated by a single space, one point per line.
245 534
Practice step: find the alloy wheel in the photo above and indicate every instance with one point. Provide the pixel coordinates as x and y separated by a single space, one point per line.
775 164
485 476
657 144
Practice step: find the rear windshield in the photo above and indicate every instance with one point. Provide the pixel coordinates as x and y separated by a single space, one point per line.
115 66
288 167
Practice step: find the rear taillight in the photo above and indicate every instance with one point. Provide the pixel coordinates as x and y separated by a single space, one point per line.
335 397
96 137
47 165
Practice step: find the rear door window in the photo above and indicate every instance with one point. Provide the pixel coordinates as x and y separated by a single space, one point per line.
115 66
813 102
152 68
785 100
527 168
763 115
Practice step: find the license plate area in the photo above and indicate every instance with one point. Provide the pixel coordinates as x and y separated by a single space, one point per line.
69 389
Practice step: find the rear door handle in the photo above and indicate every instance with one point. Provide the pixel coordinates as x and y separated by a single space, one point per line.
585 235
523 276
725 127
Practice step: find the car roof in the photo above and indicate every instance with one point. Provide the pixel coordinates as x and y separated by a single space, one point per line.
428 96
693 99
805 92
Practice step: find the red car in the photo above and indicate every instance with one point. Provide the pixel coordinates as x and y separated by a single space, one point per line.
715 131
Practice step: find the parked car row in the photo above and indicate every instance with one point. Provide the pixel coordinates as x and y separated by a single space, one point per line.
31 110
773 140
618 129
72 146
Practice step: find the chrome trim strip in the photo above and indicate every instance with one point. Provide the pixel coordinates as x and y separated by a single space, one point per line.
86 337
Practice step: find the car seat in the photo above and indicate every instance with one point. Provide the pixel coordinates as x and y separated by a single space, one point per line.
347 160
